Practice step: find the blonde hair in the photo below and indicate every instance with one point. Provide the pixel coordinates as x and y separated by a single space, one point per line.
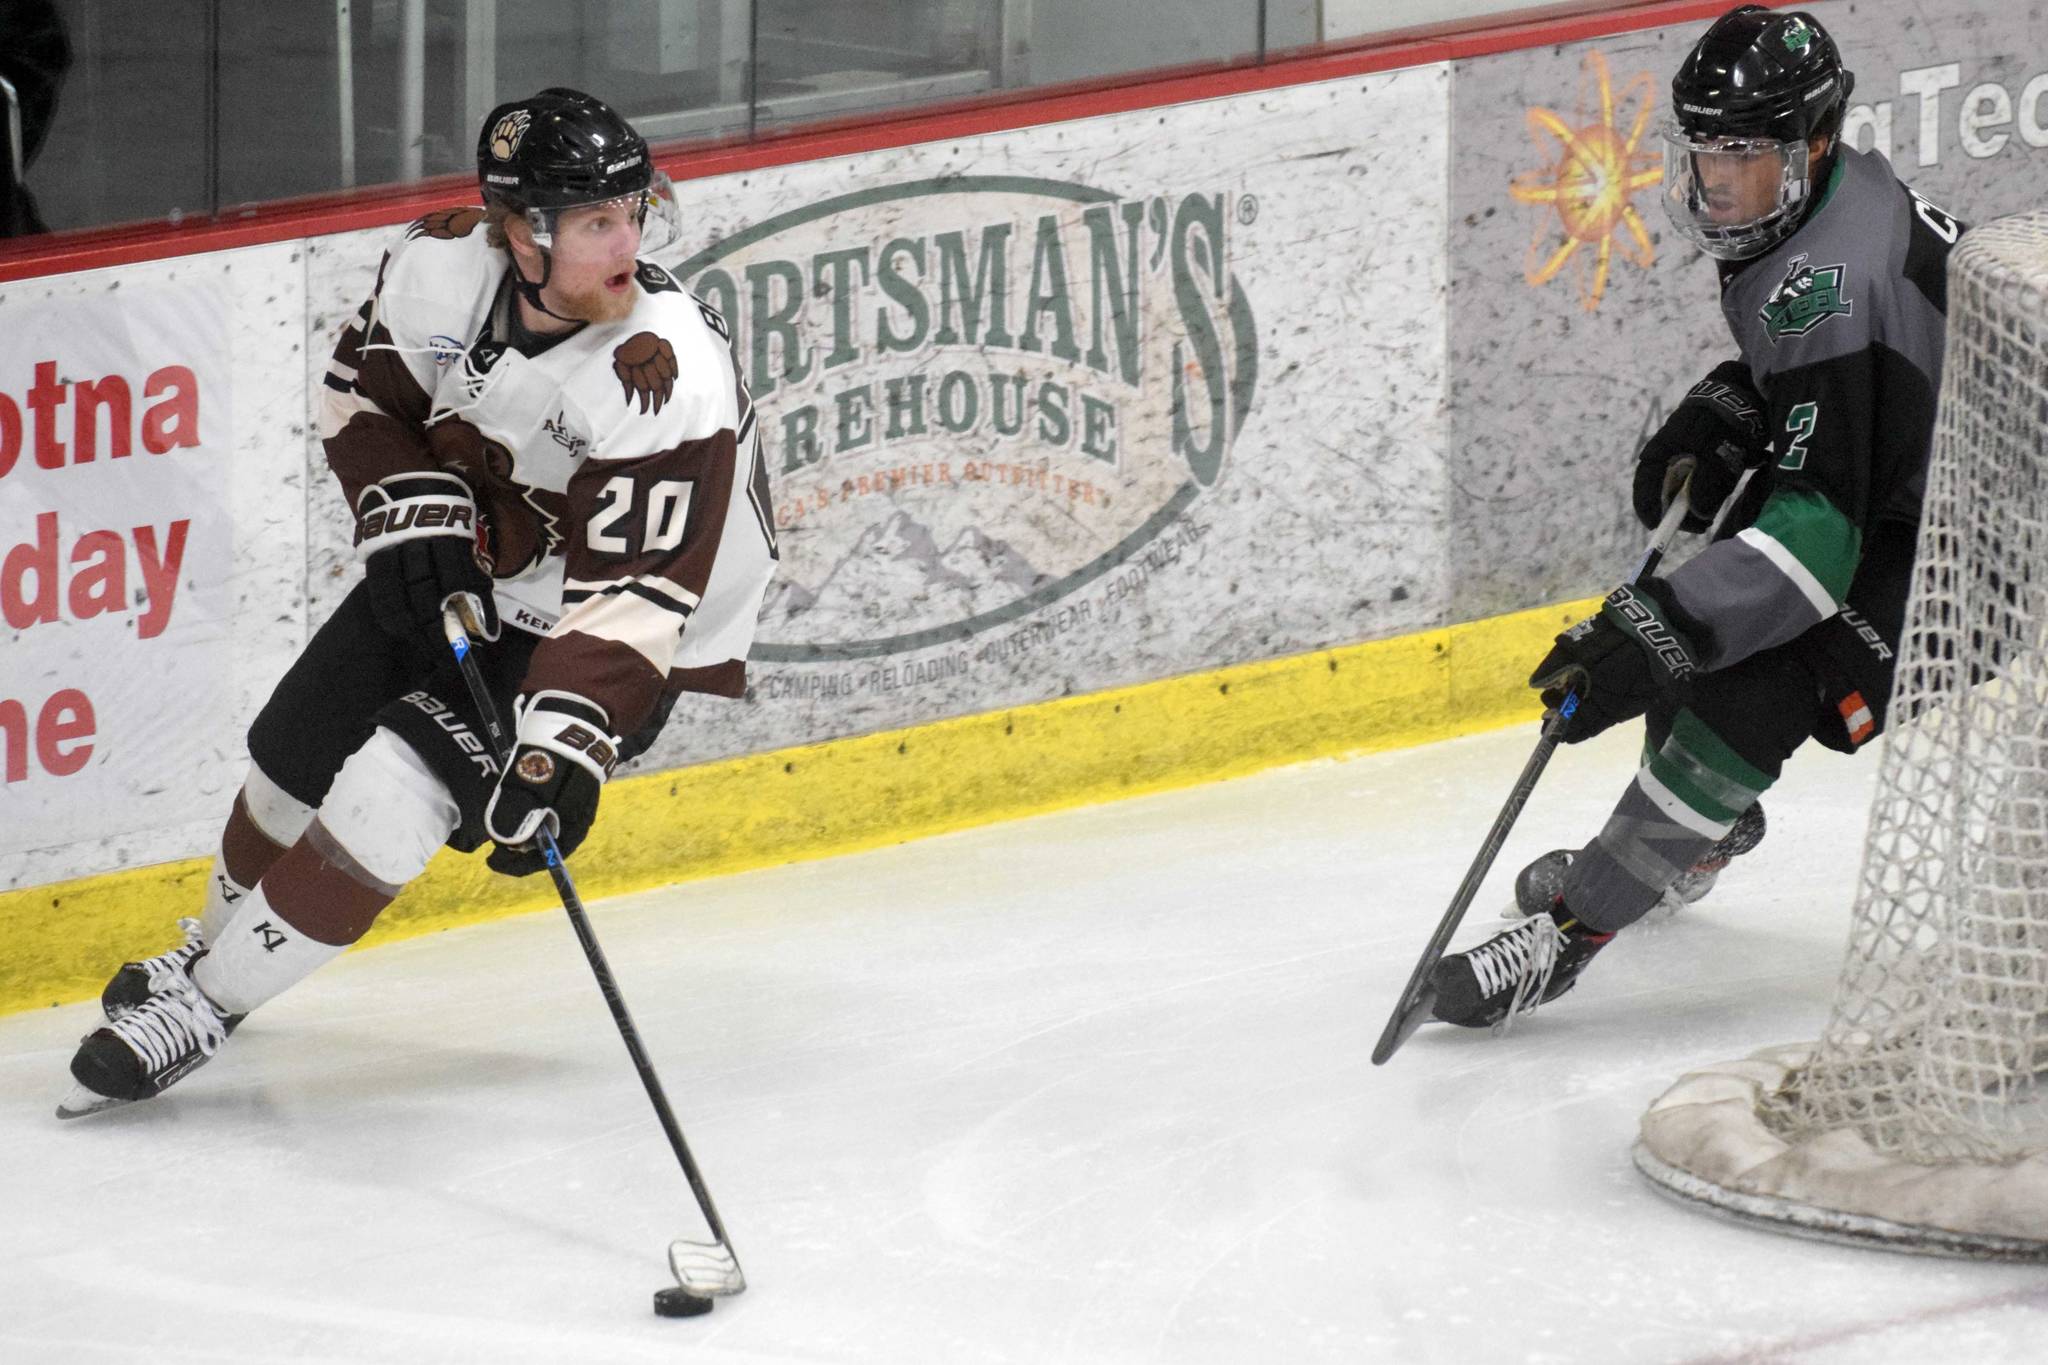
495 214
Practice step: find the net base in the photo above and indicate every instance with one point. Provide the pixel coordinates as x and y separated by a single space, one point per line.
1704 1143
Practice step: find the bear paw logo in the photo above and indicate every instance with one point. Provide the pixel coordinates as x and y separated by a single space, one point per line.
447 224
511 128
646 367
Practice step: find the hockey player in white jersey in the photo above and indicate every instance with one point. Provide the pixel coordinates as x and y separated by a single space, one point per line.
530 422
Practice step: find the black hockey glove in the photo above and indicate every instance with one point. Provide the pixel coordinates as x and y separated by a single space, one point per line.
563 754
1618 661
1717 431
416 535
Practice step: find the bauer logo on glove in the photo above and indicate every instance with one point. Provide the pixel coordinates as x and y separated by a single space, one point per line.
1663 643
1715 433
418 515
563 756
1617 660
417 536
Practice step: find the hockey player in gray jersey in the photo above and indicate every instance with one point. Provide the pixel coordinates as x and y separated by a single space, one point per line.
1833 284
528 420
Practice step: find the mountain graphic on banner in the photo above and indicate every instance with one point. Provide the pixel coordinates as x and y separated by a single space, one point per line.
982 558
896 570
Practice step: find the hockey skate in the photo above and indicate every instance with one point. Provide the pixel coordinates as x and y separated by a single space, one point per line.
1538 885
1516 970
144 1052
1696 881
133 982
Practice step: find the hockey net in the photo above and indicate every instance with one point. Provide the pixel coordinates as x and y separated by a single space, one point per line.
1919 1119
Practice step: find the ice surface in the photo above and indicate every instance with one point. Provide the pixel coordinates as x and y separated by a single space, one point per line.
1090 1087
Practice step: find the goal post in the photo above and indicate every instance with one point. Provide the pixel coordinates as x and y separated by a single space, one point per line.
1919 1119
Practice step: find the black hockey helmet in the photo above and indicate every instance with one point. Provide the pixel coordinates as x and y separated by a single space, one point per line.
1750 97
562 149
1761 73
559 149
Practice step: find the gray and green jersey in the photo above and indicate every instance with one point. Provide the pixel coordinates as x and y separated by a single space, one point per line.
1841 326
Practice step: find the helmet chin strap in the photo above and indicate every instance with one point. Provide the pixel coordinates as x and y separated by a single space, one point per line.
1817 172
530 290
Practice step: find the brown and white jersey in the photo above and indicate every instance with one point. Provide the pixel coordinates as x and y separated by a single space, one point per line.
618 469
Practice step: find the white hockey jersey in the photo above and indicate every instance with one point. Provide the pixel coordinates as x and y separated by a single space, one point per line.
617 470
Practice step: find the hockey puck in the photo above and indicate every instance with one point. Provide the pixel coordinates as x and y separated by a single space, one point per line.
678 1302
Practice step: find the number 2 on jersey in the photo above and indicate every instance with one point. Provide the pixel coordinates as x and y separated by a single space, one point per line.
1799 425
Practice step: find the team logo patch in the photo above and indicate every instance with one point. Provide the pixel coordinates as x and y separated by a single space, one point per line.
446 224
646 367
1798 35
1808 297
511 128
564 435
654 279
536 767
513 533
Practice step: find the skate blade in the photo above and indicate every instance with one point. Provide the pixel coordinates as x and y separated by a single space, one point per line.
82 1102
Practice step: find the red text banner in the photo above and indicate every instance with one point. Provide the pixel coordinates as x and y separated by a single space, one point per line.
116 552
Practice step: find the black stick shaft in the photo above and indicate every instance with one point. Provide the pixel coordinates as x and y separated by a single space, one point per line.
1418 995
458 640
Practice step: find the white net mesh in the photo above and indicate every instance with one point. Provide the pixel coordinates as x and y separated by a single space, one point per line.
1940 1023
1920 1119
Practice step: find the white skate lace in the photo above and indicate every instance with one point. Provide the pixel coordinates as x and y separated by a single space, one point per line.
165 970
171 1025
1524 957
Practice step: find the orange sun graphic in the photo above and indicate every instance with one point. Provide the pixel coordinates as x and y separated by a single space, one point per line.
1594 175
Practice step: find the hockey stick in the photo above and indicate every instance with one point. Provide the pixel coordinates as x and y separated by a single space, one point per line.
1419 995
704 1269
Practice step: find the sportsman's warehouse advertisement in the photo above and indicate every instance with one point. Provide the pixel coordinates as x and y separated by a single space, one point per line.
1576 317
1071 407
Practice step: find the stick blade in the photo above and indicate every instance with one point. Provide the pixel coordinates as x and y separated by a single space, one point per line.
708 1269
1401 1025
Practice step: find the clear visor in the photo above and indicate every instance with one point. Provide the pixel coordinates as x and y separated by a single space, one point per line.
654 209
1733 198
